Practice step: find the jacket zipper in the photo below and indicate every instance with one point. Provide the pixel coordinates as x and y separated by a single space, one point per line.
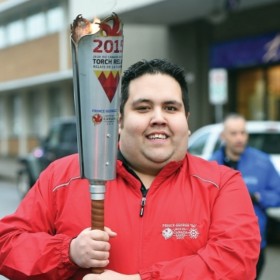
143 203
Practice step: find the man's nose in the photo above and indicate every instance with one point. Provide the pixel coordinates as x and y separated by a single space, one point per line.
158 116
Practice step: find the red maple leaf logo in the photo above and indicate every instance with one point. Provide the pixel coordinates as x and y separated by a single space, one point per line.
97 118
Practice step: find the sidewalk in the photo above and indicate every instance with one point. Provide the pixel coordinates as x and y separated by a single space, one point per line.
8 168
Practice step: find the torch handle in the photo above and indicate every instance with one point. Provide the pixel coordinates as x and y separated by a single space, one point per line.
97 222
97 190
97 214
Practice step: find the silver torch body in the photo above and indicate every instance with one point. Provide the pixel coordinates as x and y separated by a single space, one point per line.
97 66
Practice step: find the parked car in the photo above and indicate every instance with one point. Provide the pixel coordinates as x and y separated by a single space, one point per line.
60 141
263 135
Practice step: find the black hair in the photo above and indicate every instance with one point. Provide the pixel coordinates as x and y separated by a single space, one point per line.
154 66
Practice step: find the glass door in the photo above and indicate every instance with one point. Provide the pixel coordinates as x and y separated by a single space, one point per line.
258 93
273 90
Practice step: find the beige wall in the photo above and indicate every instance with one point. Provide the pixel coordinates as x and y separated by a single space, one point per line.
29 59
144 42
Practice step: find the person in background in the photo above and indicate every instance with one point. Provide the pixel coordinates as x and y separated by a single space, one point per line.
168 214
258 172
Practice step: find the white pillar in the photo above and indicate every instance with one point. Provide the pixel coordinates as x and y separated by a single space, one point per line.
4 126
44 113
23 119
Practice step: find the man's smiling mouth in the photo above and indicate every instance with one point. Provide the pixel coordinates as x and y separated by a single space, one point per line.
157 136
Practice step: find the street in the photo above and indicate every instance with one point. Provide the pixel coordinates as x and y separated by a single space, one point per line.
9 200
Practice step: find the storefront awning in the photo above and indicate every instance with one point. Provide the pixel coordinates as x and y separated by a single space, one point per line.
252 51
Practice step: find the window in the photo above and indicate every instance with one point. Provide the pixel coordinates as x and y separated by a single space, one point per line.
36 26
68 134
55 19
258 93
273 88
15 32
197 147
266 142
3 39
32 27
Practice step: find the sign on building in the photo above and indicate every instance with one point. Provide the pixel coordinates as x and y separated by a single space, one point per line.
218 86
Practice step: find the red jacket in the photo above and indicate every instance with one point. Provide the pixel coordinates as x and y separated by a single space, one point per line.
198 223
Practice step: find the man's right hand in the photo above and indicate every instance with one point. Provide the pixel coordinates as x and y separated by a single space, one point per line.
91 248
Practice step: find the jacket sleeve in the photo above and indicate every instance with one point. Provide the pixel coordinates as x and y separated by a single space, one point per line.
232 249
270 193
30 249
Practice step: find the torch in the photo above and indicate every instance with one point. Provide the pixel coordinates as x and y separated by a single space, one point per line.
97 64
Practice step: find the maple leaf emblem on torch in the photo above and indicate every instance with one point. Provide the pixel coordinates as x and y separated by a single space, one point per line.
109 81
97 119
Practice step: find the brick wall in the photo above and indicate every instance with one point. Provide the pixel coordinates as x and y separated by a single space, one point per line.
29 59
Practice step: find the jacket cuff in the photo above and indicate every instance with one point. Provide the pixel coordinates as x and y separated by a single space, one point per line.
65 255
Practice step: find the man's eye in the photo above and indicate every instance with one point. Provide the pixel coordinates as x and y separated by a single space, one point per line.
142 108
171 108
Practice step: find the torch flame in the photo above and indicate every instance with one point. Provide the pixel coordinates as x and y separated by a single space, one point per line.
110 26
81 27
95 25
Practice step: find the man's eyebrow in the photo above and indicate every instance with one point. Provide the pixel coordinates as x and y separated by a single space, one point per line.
143 100
175 102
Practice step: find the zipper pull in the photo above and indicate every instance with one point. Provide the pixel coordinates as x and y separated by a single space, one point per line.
143 202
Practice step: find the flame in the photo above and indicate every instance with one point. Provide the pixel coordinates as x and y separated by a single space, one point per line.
95 25
81 27
110 26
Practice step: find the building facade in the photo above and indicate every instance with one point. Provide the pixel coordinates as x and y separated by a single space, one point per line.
241 37
36 74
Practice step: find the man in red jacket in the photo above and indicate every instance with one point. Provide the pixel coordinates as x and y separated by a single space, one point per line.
168 214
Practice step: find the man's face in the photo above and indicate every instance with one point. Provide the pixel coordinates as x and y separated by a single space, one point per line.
153 127
235 136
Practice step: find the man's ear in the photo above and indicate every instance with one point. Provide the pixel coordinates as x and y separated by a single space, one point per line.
187 117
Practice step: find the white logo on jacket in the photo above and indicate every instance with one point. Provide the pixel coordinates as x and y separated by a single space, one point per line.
180 231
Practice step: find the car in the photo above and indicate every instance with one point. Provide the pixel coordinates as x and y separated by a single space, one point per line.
263 135
60 141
